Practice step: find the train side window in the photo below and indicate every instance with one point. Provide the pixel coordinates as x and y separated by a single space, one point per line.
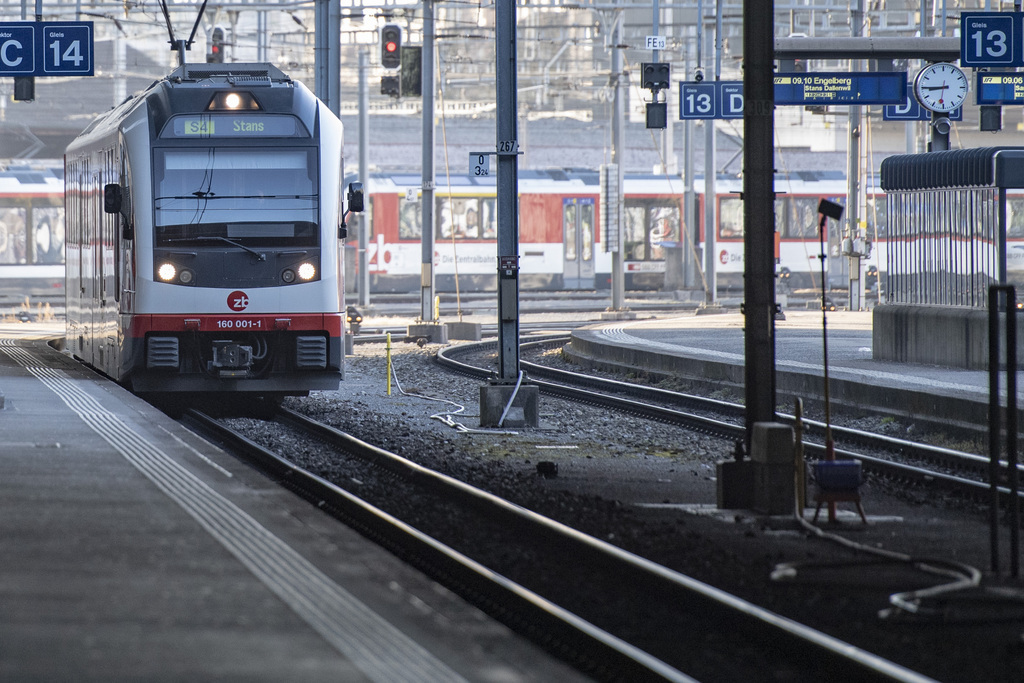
730 217
664 230
1015 217
12 235
634 240
48 231
409 220
459 216
569 230
803 219
489 218
587 222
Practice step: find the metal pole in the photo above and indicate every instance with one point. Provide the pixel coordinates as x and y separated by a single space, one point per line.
759 212
508 191
1011 429
710 194
364 175
853 171
427 186
618 150
995 424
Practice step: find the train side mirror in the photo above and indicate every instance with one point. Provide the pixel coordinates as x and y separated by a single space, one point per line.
115 201
355 197
112 198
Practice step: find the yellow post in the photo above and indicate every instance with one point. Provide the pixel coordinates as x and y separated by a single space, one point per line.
437 308
389 362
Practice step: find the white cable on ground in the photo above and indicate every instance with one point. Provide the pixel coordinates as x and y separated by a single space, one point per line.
964 576
512 398
446 417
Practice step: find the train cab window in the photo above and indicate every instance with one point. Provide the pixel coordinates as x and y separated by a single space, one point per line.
260 196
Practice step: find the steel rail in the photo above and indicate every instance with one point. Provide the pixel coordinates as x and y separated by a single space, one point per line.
954 460
598 652
773 629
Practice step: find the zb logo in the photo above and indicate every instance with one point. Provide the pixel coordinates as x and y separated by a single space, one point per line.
238 300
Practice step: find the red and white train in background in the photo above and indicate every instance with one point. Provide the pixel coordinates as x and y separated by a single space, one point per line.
562 243
204 236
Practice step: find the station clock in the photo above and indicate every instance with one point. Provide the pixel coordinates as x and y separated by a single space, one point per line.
941 87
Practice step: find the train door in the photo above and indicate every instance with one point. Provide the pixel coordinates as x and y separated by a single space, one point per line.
578 242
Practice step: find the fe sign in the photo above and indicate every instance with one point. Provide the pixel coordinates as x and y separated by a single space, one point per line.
46 48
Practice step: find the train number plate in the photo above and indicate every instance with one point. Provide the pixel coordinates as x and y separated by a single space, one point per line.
240 324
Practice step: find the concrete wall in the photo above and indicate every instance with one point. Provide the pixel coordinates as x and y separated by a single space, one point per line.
936 335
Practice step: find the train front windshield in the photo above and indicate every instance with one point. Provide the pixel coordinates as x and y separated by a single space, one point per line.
258 196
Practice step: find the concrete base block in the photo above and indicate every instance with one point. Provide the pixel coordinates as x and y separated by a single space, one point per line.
710 309
350 344
524 411
774 488
771 443
735 485
467 331
618 315
433 333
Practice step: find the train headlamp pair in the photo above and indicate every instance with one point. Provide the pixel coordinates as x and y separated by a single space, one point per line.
168 272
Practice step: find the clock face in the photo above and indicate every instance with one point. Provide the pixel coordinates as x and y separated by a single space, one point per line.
941 87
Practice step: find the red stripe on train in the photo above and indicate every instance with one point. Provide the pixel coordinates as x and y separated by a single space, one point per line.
332 323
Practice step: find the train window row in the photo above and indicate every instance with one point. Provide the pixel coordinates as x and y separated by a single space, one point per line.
31 232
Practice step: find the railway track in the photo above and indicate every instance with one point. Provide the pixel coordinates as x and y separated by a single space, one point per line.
900 459
615 615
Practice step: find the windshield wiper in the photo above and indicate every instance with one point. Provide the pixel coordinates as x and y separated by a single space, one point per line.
218 238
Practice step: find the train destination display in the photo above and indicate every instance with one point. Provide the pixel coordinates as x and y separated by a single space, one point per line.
724 99
854 88
1000 88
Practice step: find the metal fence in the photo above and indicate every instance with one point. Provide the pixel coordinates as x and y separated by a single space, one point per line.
947 224
945 246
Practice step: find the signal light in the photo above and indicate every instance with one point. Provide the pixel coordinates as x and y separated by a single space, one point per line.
391 46
391 85
215 48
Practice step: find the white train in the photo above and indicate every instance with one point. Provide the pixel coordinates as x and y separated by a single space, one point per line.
204 236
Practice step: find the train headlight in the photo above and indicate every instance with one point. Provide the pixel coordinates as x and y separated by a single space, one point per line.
186 277
166 272
307 271
228 100
288 276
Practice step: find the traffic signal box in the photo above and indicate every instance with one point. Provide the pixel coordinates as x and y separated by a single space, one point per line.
215 48
391 46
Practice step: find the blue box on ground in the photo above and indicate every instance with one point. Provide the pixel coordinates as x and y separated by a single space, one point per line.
838 475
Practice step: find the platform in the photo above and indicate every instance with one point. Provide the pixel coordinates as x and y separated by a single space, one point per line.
134 550
711 349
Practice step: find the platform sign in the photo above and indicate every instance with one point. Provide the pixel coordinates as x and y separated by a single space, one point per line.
838 88
17 49
698 101
1000 88
911 110
991 39
730 97
67 48
52 48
